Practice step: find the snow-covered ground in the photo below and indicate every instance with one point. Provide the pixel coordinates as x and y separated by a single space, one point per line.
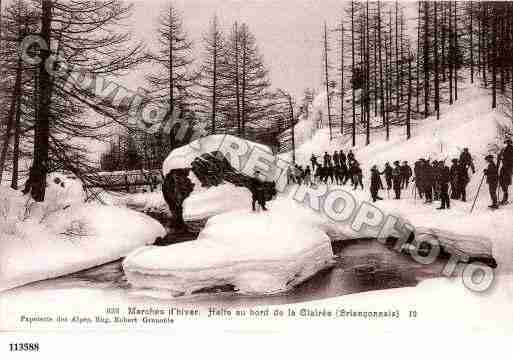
247 246
64 235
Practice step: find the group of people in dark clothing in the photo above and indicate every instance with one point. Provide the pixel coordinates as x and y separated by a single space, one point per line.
433 180
338 169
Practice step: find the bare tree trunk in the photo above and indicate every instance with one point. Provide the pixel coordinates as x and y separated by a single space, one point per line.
328 97
342 92
16 146
353 74
456 62
237 80
381 85
471 30
426 59
367 73
244 46
42 127
494 60
451 55
291 109
214 79
10 119
390 79
444 23
437 78
408 113
397 63
417 88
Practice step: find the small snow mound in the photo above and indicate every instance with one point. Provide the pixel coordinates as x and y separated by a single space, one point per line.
64 189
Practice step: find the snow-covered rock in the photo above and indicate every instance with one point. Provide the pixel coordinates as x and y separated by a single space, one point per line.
213 169
256 253
227 144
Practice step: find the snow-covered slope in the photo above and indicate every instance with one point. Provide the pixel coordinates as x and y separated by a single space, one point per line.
471 123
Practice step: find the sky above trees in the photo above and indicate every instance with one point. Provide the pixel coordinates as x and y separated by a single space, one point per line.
288 32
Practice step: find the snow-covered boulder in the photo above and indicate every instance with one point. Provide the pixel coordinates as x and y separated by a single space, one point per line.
217 167
255 253
37 243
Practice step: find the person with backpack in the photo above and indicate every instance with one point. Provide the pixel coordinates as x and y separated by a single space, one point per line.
257 192
466 160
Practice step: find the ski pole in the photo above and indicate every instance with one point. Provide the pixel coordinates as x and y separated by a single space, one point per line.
477 194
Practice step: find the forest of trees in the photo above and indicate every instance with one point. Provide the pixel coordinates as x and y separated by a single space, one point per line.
382 67
396 68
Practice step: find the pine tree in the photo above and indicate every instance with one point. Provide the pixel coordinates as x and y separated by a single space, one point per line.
212 86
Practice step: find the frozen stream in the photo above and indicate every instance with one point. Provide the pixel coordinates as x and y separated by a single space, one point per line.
361 265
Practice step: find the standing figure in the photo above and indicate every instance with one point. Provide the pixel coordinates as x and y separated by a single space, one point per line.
418 176
336 159
376 184
357 175
443 181
397 179
454 171
492 180
463 181
350 157
388 172
308 176
257 192
466 160
427 181
327 159
314 162
506 160
436 180
342 158
406 174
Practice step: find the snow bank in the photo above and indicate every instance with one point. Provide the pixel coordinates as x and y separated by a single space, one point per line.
62 235
256 253
199 205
